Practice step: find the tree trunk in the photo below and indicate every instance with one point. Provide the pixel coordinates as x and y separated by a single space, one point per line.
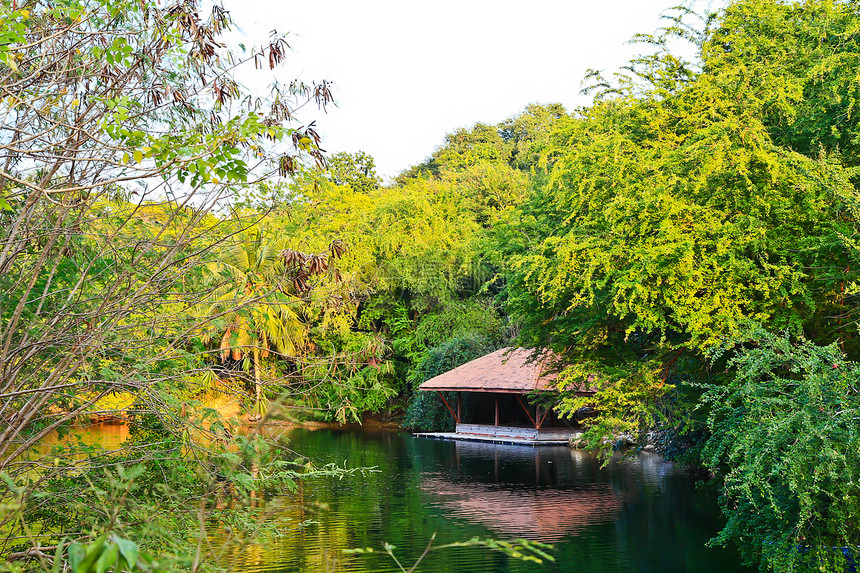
258 387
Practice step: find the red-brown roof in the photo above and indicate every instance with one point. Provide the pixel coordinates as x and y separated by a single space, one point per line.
506 370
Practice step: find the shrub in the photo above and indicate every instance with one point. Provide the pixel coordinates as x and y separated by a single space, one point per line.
786 444
426 411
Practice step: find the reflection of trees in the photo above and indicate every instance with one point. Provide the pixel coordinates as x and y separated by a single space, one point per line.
632 515
649 514
366 510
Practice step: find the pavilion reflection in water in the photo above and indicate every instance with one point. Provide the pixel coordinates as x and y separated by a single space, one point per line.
527 503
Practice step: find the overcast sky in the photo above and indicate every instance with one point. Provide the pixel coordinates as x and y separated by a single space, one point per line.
408 72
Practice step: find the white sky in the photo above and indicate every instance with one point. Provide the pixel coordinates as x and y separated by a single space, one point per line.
407 72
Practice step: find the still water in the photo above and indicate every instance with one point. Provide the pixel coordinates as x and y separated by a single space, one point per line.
637 515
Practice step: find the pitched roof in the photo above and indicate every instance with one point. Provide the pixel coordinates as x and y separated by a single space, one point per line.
506 370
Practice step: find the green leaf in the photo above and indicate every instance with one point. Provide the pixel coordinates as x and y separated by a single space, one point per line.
129 550
9 60
77 552
138 156
58 556
107 559
92 553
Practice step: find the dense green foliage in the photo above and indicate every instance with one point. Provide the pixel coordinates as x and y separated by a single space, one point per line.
123 136
426 411
671 216
174 251
787 446
696 206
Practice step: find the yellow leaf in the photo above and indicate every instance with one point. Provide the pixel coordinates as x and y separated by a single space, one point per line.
10 61
138 156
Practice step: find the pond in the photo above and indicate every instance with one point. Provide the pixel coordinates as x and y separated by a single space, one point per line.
635 515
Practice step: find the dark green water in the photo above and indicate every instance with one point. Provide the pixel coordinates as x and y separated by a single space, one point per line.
639 515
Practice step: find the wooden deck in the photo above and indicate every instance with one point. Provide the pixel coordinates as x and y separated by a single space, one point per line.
506 435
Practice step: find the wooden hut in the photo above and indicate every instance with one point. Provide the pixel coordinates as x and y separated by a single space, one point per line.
500 412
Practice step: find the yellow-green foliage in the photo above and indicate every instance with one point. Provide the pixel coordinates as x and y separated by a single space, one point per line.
691 201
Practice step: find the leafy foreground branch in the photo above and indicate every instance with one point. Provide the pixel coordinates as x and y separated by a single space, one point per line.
195 511
523 549
124 136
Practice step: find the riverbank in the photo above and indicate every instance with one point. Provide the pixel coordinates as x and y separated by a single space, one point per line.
114 411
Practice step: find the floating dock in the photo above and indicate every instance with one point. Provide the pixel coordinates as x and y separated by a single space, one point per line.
506 435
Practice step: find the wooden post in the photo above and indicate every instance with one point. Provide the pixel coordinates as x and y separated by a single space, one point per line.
497 409
459 406
453 415
541 420
532 420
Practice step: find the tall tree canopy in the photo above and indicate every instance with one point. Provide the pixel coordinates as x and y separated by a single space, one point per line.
124 132
675 212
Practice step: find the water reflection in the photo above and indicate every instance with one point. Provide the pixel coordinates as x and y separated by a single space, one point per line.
109 436
639 515
538 515
535 510
634 515
82 438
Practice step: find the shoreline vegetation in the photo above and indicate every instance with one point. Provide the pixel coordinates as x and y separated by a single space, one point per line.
230 409
692 236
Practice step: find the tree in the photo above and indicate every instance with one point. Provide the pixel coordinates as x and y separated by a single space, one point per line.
794 60
124 133
425 411
786 450
354 170
259 291
529 131
670 217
